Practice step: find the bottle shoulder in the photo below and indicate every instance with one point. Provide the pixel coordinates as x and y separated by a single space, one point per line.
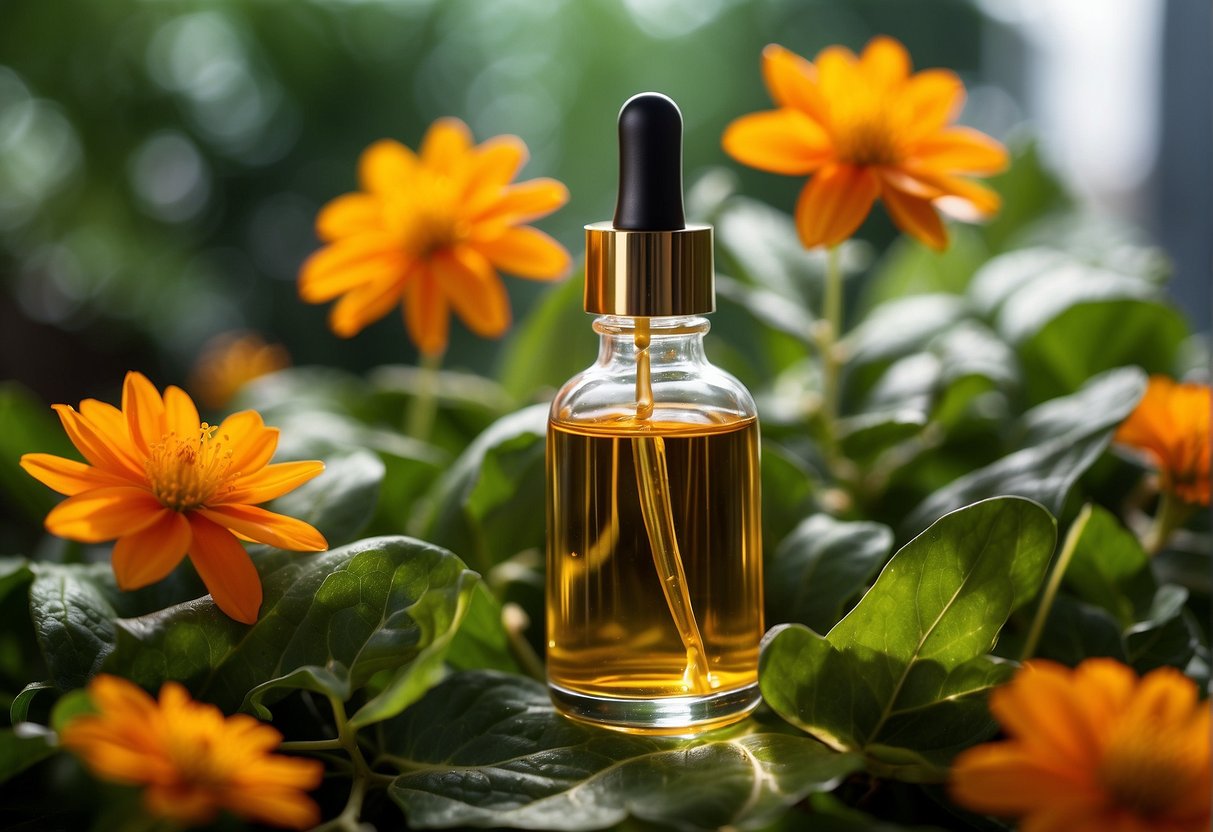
699 395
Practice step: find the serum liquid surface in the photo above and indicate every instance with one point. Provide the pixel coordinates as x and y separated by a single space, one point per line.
611 629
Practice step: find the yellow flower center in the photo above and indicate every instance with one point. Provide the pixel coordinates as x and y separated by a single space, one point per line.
1147 771
864 135
187 473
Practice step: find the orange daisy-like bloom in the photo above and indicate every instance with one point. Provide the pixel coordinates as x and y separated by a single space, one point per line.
1093 749
164 484
1171 426
432 229
229 362
191 760
865 127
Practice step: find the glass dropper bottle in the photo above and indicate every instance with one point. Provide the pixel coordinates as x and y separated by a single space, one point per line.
654 554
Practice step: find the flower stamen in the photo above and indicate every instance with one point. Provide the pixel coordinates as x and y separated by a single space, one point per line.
186 474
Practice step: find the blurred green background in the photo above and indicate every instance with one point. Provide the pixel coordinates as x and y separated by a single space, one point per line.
161 162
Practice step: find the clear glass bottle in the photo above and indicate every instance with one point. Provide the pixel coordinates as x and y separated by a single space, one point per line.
654 562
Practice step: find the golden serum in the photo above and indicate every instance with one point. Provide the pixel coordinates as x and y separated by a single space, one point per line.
654 551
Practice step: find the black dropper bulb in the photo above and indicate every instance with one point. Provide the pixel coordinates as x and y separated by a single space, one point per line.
650 165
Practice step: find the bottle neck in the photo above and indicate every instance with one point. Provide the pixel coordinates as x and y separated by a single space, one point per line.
671 340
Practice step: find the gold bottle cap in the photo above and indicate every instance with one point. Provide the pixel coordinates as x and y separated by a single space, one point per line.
649 273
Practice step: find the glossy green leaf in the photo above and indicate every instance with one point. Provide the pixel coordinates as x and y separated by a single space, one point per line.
489 504
482 641
1063 438
484 749
19 710
893 331
821 567
867 435
383 609
73 619
903 676
1164 635
788 487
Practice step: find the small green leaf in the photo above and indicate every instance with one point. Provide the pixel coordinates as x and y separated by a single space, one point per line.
1065 435
383 609
484 749
481 641
788 486
19 710
72 704
1111 570
903 676
864 437
820 568
1163 636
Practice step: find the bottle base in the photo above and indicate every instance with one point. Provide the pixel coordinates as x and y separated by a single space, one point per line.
665 716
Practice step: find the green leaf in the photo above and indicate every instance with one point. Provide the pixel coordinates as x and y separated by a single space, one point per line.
1111 570
1029 192
788 485
19 710
903 676
1075 631
551 345
341 501
910 268
484 749
1064 437
378 614
73 619
864 437
820 568
489 505
1163 636
481 641
20 750
895 330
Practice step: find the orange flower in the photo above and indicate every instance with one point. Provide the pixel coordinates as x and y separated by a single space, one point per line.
431 229
190 759
230 361
166 485
865 127
1093 749
1171 426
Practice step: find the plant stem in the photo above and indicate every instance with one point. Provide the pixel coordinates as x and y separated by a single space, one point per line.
425 400
1169 516
831 334
514 620
311 745
1050 593
347 739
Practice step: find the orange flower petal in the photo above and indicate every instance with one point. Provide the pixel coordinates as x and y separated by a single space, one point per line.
110 427
189 805
780 141
67 476
885 61
426 314
180 414
349 215
928 102
916 217
115 695
838 74
226 569
104 514
792 82
267 527
446 145
474 290
385 167
834 203
144 411
348 264
960 150
366 304
279 807
149 555
272 481
93 446
524 202
251 442
1001 779
959 197
1042 707
495 162
526 252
